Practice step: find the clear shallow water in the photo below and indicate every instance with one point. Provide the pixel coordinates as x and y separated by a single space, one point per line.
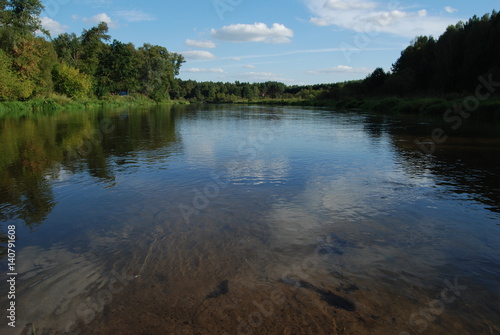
241 220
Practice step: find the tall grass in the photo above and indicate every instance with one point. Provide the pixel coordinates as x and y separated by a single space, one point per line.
58 102
430 106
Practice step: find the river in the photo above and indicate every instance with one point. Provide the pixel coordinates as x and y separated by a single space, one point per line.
229 219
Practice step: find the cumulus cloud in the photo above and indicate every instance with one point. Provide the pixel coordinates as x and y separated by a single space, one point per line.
134 15
261 76
257 32
450 9
54 27
341 69
198 70
103 17
200 44
198 54
368 17
346 4
422 12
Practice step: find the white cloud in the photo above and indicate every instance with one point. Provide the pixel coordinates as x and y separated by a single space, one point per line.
200 44
450 9
370 17
198 54
54 27
249 66
103 17
94 3
261 76
347 4
341 69
198 70
257 32
341 50
134 15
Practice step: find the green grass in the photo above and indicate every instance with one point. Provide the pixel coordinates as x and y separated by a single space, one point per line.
58 102
430 106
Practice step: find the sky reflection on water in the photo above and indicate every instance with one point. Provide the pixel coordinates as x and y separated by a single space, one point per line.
180 198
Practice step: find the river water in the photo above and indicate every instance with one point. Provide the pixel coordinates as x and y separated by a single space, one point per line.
250 220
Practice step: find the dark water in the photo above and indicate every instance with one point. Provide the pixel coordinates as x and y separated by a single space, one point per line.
250 220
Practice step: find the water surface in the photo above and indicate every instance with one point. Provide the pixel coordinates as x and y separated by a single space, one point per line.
250 220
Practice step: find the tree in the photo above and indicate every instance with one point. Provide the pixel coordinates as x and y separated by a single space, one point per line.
25 15
68 48
19 19
448 59
275 89
70 81
3 12
157 69
12 87
117 68
373 83
248 92
48 59
92 45
416 63
33 60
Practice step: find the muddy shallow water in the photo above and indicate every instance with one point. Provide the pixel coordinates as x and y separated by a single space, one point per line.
250 220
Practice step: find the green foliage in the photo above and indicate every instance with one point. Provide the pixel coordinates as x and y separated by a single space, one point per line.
12 86
33 60
70 81
450 64
374 82
92 45
19 19
453 62
156 70
117 71
68 49
43 82
80 67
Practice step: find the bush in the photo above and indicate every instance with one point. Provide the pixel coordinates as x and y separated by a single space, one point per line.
70 81
12 87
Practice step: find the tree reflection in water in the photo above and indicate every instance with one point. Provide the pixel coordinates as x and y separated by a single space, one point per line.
39 150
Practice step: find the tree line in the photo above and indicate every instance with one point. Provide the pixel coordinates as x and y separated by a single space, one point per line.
89 65
449 65
93 66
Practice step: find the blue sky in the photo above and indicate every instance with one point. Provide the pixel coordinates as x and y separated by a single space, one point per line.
292 41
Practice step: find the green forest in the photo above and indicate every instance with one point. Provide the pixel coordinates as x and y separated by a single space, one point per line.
56 70
76 67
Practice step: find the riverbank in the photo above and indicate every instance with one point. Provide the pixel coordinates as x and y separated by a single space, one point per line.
395 105
56 102
425 106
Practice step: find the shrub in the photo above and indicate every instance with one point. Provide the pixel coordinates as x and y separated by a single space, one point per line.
70 81
12 87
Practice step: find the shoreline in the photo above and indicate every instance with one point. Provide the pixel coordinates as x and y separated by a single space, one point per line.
424 106
428 106
55 104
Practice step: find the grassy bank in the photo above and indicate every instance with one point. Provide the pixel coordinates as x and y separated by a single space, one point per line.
489 108
395 105
56 103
